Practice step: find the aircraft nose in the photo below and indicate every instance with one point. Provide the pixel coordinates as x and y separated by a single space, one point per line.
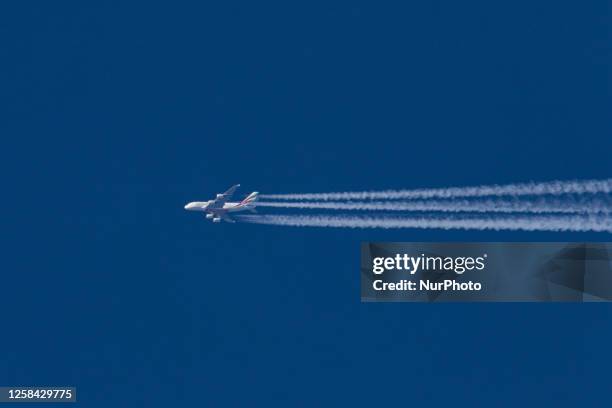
187 206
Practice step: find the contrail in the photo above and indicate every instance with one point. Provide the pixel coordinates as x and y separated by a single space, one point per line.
524 223
521 189
536 206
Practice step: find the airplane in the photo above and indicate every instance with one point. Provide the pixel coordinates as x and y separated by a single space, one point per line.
219 208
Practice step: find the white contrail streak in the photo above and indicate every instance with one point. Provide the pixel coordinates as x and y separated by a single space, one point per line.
536 206
545 188
524 223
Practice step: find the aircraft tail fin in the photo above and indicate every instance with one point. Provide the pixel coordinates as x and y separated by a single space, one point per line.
251 198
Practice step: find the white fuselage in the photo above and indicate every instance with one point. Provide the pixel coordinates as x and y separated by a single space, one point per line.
219 208
203 206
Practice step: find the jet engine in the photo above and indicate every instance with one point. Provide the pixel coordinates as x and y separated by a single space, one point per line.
219 195
209 216
216 219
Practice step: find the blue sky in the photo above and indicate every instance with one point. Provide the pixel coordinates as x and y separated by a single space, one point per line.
117 114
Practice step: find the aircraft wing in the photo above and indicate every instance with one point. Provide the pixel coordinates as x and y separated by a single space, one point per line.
222 198
230 191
